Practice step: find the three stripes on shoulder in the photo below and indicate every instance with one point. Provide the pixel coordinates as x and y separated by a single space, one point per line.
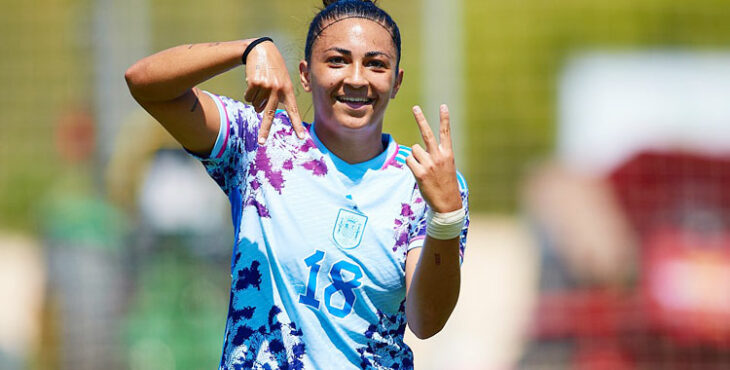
404 152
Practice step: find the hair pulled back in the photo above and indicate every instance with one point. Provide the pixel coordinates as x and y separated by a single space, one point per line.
336 10
330 2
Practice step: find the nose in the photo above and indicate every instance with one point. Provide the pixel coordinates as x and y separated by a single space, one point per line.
355 78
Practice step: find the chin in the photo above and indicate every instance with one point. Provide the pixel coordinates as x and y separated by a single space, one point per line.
351 118
355 123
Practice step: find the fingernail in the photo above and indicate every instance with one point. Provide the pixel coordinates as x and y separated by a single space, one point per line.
443 107
416 108
262 140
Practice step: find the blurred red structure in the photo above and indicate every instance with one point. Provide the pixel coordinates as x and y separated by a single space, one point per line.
677 315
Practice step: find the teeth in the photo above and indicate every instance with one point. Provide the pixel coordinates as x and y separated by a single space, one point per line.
353 100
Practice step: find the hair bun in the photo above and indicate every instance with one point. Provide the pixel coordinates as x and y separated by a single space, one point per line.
330 2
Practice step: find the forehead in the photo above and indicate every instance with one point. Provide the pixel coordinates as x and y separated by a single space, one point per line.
355 34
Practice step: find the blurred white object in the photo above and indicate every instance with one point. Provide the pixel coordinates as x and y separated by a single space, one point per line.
612 105
178 196
22 288
498 284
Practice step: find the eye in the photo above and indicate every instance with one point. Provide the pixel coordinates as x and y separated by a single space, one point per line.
336 60
377 64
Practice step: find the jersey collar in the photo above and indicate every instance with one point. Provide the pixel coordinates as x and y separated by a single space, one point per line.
355 171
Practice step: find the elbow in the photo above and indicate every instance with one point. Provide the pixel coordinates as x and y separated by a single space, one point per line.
426 330
427 320
427 323
134 76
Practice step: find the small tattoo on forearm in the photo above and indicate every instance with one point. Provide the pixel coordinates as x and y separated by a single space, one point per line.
437 258
190 46
195 104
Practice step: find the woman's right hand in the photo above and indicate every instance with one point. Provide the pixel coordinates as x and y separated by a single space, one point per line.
268 85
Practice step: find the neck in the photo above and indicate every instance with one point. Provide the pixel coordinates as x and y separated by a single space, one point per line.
352 146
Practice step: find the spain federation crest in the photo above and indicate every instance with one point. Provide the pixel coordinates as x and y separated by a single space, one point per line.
349 228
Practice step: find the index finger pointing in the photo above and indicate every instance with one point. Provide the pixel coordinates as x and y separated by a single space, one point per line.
268 117
428 139
290 105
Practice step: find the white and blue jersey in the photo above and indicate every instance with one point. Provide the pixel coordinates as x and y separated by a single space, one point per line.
318 266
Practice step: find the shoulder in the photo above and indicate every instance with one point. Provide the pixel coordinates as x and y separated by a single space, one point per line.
397 160
228 103
234 111
243 121
404 151
282 129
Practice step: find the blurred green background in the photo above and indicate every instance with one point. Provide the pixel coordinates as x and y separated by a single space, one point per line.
514 53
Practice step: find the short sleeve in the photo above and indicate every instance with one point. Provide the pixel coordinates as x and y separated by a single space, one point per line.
237 136
418 225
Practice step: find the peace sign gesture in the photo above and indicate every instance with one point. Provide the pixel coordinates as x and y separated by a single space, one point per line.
434 167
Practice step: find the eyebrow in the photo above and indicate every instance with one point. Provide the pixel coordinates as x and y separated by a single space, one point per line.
369 54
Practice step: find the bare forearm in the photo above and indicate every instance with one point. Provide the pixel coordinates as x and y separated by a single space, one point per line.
170 73
434 287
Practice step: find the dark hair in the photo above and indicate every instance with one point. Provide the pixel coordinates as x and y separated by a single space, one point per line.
335 10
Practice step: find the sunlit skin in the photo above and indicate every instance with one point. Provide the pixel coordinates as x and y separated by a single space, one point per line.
351 59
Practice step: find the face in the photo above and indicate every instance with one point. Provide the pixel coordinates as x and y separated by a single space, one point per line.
352 75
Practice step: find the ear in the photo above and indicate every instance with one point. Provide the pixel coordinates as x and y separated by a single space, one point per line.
304 76
398 82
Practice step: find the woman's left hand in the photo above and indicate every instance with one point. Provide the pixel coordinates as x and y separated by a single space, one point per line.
434 167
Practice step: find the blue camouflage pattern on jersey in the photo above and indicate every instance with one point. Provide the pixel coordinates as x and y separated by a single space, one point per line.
298 299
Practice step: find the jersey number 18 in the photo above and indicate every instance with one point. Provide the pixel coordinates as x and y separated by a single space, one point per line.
338 284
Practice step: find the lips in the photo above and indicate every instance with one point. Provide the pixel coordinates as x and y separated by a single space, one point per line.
355 102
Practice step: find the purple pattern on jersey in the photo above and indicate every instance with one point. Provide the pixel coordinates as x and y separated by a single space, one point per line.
410 214
262 165
385 348
309 144
250 131
402 226
285 139
259 165
244 158
317 166
260 208
227 170
411 224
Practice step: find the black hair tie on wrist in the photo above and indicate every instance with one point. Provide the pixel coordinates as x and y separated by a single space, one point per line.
252 45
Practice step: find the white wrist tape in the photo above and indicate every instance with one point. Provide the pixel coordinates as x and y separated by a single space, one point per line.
445 226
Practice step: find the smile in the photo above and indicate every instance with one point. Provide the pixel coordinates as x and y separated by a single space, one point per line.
354 102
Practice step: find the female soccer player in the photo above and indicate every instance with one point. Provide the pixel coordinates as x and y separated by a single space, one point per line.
341 235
